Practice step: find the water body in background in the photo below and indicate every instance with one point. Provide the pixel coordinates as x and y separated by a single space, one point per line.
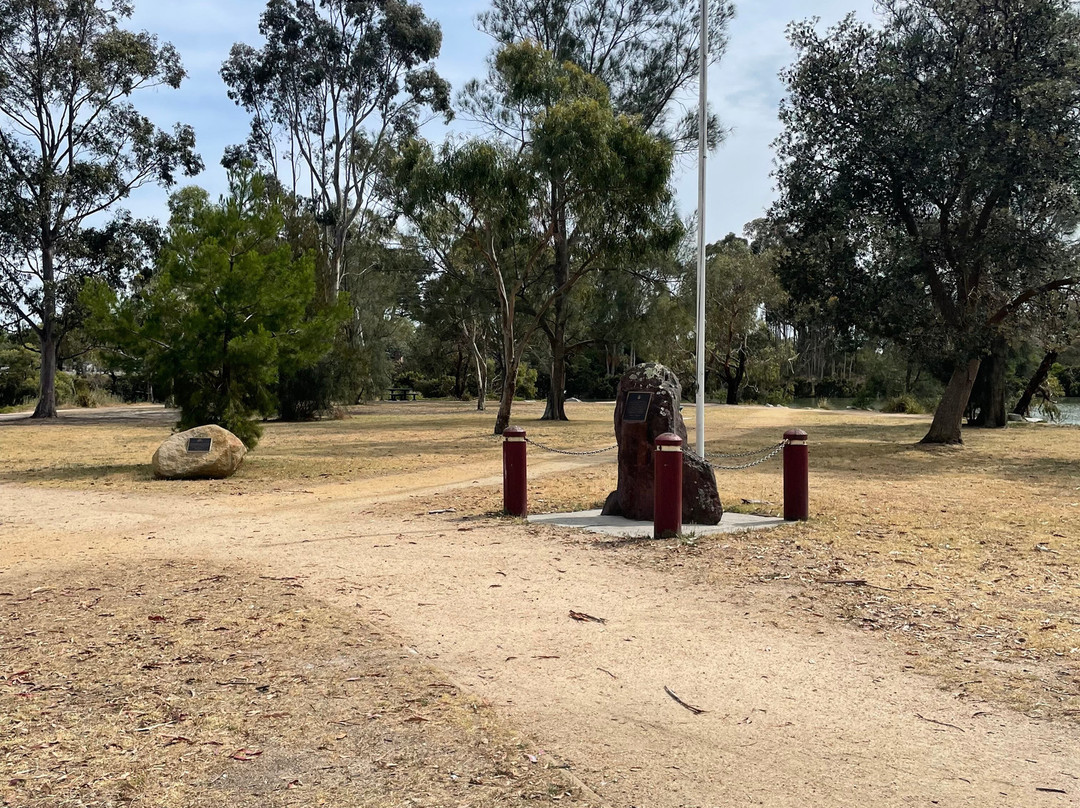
1070 410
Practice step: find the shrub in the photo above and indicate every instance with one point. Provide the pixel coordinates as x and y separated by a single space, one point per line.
903 403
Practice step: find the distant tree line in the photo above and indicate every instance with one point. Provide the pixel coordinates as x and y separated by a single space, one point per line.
920 253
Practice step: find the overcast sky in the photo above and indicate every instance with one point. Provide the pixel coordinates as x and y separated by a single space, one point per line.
743 89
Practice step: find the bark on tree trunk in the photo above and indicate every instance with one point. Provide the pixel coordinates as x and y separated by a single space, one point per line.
506 400
555 410
737 379
1023 406
949 415
46 406
460 369
511 361
481 382
988 393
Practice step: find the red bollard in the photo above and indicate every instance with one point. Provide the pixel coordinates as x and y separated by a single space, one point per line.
515 477
796 476
667 486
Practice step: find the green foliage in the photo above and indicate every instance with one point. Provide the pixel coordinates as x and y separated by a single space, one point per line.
486 205
18 374
903 403
526 383
929 186
552 110
645 51
335 90
72 146
765 381
66 391
1048 397
741 287
1068 378
227 311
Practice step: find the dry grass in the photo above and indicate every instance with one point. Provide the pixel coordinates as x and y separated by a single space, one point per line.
181 685
965 557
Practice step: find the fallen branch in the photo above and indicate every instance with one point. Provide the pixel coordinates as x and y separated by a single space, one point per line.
939 723
852 582
690 707
586 617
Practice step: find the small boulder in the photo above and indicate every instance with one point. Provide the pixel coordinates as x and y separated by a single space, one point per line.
205 452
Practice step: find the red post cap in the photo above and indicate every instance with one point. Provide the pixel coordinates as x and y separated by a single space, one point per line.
514 432
668 439
795 434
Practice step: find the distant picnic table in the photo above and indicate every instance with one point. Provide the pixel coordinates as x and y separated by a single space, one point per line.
402 394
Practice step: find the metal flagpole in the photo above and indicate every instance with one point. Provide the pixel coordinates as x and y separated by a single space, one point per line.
703 131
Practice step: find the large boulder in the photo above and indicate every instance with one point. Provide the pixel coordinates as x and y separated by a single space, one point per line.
636 435
205 452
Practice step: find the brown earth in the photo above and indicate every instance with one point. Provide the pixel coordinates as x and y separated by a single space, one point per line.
914 644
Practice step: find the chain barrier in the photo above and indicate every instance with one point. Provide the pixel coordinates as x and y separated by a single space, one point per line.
751 453
773 451
539 445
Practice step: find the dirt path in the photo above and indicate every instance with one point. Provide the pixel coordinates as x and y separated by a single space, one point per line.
797 714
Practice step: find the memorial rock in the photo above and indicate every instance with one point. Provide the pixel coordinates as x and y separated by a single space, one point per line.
205 452
647 406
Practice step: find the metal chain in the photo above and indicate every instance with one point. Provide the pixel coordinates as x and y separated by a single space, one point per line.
773 451
539 445
751 453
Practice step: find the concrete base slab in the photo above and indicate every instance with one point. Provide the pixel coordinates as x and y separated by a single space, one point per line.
593 522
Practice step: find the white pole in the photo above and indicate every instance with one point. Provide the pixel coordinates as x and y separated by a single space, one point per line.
703 132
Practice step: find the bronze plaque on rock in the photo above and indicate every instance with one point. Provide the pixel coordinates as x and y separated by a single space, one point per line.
199 445
637 406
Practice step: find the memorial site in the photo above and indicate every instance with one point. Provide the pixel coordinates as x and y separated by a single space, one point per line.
654 403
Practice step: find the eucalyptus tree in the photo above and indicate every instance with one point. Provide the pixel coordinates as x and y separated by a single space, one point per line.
741 286
459 306
490 201
333 93
72 145
646 53
936 156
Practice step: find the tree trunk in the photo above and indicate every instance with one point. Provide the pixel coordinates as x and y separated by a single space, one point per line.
949 415
46 406
1023 406
988 393
459 375
556 397
737 379
506 400
511 360
481 382
555 410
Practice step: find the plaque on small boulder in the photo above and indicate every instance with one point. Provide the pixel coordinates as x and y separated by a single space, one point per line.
637 425
205 452
637 406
